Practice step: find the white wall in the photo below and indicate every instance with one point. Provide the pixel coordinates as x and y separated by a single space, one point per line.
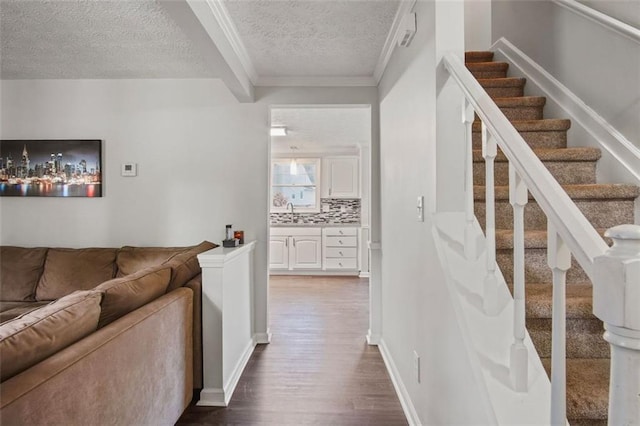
201 163
598 65
418 312
627 11
477 24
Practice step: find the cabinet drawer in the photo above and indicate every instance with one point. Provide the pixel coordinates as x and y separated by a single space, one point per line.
341 242
341 231
341 252
341 263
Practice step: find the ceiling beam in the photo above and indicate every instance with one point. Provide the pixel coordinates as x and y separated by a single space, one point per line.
199 21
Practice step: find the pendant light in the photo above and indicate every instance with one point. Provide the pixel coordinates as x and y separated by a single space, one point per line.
293 167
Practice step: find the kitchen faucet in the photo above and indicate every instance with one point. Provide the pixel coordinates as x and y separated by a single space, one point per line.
290 204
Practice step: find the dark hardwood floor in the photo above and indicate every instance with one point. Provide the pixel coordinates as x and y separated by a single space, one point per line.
318 368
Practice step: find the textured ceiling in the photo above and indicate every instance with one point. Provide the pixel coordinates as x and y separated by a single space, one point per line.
320 129
93 39
313 37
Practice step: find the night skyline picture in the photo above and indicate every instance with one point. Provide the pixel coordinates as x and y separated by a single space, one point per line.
51 168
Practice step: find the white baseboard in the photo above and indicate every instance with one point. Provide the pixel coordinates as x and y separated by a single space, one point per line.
373 339
262 338
365 274
212 397
217 397
403 395
624 152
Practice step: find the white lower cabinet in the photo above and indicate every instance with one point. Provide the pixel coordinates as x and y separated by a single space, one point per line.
340 249
295 249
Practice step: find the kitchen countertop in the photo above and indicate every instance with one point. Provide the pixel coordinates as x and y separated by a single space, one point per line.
315 225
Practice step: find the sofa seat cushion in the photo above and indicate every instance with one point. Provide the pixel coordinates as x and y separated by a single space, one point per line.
11 310
68 270
34 336
21 269
125 294
185 265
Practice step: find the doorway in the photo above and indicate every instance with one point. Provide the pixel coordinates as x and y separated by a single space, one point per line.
319 191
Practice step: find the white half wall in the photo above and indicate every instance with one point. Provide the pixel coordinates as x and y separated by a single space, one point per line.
417 309
596 64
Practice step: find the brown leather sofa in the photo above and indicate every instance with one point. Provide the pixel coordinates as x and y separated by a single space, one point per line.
99 335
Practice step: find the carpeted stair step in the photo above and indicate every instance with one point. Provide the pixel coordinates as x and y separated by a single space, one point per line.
604 205
570 166
539 134
584 330
521 108
507 87
536 268
587 390
478 56
488 69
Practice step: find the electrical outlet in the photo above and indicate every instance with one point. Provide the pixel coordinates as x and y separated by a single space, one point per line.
416 365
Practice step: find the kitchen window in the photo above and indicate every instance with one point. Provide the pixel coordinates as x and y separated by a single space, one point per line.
295 181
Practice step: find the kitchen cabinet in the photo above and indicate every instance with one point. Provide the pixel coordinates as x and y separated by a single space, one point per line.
294 249
340 177
340 249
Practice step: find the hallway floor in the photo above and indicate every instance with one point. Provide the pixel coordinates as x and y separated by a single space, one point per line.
318 368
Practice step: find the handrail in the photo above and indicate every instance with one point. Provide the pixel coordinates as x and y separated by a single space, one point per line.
603 19
576 231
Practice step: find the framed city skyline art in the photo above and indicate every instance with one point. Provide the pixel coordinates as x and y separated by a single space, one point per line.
51 168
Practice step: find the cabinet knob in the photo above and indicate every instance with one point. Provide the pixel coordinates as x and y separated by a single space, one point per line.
341 253
342 233
340 263
340 241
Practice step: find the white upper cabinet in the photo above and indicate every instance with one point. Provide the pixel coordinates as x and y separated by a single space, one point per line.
340 177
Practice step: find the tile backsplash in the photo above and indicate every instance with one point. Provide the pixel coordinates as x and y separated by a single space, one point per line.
333 210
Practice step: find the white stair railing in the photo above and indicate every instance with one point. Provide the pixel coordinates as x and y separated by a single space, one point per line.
615 271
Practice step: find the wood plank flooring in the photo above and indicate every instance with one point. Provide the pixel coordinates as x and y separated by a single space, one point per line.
318 368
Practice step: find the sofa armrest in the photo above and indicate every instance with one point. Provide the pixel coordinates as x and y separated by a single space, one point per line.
138 370
196 286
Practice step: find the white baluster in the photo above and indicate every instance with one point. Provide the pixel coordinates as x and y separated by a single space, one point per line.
472 240
518 197
559 260
490 293
616 301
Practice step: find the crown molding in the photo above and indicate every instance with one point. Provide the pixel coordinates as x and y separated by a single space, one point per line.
315 81
230 31
390 44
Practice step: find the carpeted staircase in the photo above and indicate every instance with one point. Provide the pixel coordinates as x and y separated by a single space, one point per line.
604 205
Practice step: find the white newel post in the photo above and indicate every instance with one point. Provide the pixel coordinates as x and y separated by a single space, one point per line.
616 301
518 197
559 260
227 307
490 293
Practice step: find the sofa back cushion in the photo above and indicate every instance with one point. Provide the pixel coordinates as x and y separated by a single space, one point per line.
20 270
68 270
134 259
125 294
36 335
185 265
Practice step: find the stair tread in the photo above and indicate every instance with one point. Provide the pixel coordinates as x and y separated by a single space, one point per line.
487 66
608 191
502 82
547 124
579 303
521 101
552 154
587 387
533 239
478 56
